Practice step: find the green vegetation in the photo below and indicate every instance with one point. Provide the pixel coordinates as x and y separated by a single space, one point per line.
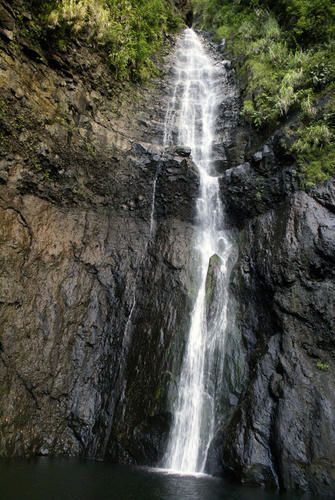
322 366
315 152
131 31
309 21
285 54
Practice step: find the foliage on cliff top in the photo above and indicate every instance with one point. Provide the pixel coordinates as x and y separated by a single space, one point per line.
285 54
131 31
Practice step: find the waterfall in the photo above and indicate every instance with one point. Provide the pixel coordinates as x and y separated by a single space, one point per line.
192 112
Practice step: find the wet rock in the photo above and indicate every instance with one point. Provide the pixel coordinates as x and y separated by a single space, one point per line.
150 437
75 249
286 304
7 22
257 157
32 52
19 94
183 151
276 385
213 273
7 34
139 149
248 191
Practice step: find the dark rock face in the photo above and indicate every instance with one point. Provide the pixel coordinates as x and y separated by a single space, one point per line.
89 298
254 187
282 431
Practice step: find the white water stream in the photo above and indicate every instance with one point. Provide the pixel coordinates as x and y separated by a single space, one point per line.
192 112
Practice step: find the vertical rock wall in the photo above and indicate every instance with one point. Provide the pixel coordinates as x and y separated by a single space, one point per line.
282 431
79 154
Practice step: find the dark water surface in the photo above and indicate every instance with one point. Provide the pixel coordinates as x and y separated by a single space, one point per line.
67 479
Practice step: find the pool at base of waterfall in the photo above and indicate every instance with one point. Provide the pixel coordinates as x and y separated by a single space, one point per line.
73 479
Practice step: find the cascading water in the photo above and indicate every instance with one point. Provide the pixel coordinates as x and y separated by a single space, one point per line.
193 111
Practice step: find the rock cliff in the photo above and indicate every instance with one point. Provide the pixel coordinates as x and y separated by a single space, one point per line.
282 430
95 289
84 278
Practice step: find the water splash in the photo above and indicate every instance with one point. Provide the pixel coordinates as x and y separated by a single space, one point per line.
193 111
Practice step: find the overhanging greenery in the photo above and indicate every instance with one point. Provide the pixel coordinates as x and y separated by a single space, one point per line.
131 31
285 54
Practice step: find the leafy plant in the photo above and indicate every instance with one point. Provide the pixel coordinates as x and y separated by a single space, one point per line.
322 366
80 15
285 56
131 31
314 136
314 148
